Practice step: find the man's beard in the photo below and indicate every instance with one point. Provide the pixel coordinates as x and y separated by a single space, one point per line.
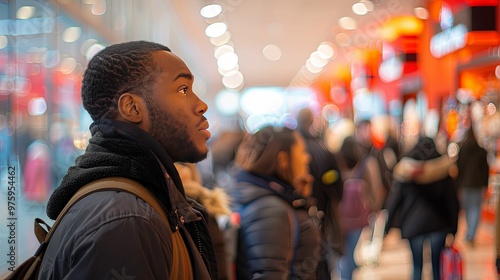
173 136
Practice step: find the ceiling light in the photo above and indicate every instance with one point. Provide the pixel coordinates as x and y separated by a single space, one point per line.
216 29
368 5
421 13
228 72
227 61
3 41
25 12
347 23
67 65
71 34
317 60
93 50
221 40
99 8
211 10
222 49
325 50
359 9
272 52
312 68
234 81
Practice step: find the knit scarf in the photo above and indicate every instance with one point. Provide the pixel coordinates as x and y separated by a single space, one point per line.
117 149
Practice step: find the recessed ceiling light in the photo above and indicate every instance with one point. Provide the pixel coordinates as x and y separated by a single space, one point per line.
421 13
25 12
216 29
221 40
222 49
359 9
233 81
272 52
71 34
211 10
227 61
368 5
347 23
326 51
99 8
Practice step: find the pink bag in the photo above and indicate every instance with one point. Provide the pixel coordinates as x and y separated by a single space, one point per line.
451 264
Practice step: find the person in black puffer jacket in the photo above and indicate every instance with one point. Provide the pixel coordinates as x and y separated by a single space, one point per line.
277 237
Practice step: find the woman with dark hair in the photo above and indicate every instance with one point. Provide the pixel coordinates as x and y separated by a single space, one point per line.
359 169
277 238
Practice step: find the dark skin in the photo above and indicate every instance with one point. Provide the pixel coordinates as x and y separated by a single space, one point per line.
170 110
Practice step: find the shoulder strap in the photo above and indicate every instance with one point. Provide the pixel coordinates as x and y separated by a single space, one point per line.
181 262
107 184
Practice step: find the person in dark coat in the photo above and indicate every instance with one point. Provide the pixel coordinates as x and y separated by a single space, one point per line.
327 190
472 180
146 117
424 211
277 237
216 202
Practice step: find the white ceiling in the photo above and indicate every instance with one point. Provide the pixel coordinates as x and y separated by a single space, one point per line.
296 26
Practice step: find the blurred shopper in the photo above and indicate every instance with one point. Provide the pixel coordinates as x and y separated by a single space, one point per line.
423 203
385 148
146 117
361 170
37 173
327 190
472 180
216 201
278 239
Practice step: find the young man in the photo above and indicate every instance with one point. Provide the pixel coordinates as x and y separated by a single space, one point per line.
146 117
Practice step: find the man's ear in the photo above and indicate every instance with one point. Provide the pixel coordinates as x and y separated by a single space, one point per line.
131 107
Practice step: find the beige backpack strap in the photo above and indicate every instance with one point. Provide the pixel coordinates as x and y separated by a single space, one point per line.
181 262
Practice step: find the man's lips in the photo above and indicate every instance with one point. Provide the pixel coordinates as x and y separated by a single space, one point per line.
204 128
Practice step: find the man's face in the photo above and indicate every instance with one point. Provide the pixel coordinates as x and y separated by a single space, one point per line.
176 112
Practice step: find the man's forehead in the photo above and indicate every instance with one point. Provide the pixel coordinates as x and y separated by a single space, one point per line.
172 67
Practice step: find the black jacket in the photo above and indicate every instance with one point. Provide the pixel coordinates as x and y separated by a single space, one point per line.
418 209
266 245
113 234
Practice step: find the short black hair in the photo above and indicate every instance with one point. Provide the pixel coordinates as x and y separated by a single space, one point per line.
115 70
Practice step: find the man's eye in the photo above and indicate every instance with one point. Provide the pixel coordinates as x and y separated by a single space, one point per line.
184 90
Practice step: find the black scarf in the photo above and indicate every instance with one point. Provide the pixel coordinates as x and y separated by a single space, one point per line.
117 149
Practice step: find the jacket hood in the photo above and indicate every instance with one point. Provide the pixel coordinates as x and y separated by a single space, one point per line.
216 200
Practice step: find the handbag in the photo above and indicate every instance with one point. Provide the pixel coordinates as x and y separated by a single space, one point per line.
181 268
451 264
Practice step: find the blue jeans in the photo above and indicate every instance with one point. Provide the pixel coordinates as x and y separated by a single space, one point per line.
471 202
346 262
437 241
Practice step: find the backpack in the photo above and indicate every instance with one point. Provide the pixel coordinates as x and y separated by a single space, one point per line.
181 264
356 204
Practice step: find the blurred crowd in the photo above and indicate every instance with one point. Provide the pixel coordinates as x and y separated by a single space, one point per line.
315 202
